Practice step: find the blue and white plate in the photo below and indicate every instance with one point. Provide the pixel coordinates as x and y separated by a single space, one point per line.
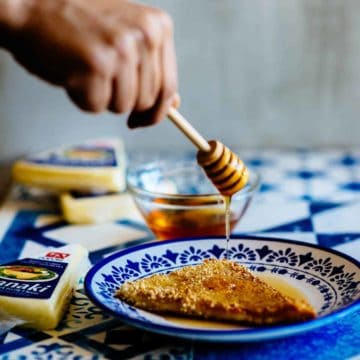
329 280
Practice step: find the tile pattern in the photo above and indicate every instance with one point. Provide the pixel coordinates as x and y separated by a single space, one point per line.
311 196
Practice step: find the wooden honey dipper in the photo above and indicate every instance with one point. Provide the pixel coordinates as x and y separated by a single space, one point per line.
224 168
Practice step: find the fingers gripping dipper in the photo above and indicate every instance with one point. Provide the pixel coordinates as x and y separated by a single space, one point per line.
226 171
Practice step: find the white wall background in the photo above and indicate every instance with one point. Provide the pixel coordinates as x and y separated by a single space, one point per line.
252 73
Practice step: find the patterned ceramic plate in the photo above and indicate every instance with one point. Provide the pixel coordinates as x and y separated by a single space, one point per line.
328 279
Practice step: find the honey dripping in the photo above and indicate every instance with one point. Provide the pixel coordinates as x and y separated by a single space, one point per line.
227 202
227 172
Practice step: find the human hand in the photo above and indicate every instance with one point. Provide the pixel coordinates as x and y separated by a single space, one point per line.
106 54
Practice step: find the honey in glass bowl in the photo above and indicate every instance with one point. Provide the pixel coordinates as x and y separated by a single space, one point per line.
180 223
177 200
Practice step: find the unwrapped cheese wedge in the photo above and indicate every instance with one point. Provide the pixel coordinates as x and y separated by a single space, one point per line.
93 165
37 291
89 208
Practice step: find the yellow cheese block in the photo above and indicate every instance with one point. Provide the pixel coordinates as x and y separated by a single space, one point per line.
37 291
92 208
96 164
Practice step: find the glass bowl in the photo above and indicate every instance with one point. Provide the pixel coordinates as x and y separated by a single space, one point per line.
177 200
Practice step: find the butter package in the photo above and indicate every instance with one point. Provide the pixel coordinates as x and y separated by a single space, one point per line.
36 292
90 208
96 164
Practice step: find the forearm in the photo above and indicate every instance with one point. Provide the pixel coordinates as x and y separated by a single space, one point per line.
13 14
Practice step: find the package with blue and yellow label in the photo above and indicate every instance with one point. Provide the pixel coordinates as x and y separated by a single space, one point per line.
96 164
37 291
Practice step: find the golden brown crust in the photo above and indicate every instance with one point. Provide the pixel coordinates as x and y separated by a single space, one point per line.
216 289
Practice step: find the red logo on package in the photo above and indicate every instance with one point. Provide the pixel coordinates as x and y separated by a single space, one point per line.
57 255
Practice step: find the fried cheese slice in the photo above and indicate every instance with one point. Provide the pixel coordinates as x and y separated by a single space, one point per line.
215 289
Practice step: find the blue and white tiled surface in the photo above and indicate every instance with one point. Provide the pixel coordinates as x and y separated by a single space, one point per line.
311 196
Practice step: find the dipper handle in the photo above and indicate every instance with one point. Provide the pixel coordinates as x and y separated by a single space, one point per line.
223 167
189 131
